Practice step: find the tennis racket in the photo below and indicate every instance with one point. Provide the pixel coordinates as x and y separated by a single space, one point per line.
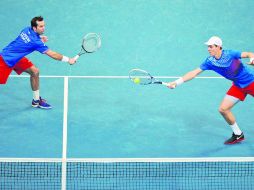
142 77
90 43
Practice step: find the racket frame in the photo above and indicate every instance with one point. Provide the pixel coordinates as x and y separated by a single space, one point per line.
152 79
83 49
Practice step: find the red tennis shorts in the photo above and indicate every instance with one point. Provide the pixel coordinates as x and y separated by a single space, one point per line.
22 65
241 93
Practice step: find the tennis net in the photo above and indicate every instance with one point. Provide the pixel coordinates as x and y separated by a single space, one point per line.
128 174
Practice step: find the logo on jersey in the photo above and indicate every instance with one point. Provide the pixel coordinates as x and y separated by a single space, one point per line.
24 37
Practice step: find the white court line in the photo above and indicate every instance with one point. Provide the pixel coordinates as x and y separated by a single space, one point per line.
65 117
65 132
108 160
108 77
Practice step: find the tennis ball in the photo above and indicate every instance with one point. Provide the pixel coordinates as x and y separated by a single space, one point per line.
136 80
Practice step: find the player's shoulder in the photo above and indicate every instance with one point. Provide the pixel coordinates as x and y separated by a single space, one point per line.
26 29
232 53
209 59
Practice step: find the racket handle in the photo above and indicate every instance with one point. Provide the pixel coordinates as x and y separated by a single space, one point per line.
76 57
164 83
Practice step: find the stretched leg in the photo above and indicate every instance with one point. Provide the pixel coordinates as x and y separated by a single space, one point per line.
34 77
25 65
225 109
34 80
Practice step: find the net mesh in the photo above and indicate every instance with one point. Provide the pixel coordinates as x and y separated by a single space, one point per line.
82 175
30 175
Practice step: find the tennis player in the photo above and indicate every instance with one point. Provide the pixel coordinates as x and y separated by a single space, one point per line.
13 57
228 64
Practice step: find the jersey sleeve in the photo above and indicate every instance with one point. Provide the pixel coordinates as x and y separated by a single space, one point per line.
41 47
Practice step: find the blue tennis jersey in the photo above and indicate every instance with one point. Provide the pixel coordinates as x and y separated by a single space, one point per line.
27 42
230 66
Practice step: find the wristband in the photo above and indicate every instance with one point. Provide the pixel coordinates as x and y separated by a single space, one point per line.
251 60
179 81
65 59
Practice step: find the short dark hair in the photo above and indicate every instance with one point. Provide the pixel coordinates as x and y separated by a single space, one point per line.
217 46
34 21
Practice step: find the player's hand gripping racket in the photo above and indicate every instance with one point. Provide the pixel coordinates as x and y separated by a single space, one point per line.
90 43
142 77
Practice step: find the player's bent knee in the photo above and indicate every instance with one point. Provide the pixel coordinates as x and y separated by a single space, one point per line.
35 72
223 110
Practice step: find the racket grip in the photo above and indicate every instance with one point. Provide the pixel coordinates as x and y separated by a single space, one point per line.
76 57
164 83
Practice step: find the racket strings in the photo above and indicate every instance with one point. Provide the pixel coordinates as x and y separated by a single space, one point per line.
143 77
91 42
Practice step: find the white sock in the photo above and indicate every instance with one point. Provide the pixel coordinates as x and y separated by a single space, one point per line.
236 129
36 95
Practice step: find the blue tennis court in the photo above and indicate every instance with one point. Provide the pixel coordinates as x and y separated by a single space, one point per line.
103 114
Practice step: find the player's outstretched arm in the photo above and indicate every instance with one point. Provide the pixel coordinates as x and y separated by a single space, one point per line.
188 76
60 57
248 55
